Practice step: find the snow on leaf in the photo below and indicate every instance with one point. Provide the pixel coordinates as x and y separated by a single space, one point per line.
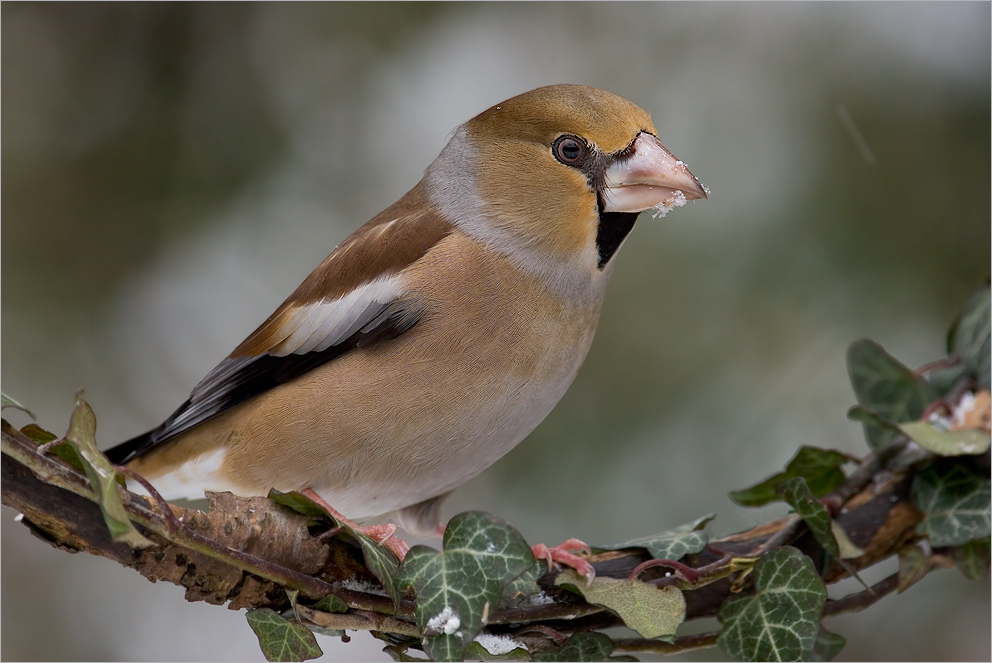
954 501
457 587
654 612
687 539
780 621
282 639
488 647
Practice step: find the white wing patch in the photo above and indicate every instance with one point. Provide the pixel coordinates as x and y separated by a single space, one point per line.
320 325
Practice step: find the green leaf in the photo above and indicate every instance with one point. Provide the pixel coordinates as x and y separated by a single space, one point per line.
383 564
863 415
885 386
819 467
955 503
380 560
102 476
40 435
524 585
973 558
969 338
848 550
455 588
301 504
687 539
796 494
827 646
913 567
281 639
972 441
331 603
65 451
582 646
399 652
780 621
654 612
6 402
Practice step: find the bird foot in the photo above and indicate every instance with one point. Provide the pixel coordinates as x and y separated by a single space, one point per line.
562 554
384 535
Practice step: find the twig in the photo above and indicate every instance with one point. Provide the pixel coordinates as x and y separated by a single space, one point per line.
681 645
359 620
860 600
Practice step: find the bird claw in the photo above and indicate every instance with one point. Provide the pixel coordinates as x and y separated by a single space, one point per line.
562 554
384 535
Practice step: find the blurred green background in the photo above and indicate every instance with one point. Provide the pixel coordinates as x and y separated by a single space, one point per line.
172 171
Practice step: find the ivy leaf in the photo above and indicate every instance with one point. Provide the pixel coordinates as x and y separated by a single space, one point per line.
687 539
848 550
972 441
281 639
380 560
102 476
654 612
796 494
399 652
913 567
969 337
455 588
780 621
301 504
955 503
819 467
582 646
827 646
331 603
40 435
883 385
863 415
973 559
64 450
6 402
524 585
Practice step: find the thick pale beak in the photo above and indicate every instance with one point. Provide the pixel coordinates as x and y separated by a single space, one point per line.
650 177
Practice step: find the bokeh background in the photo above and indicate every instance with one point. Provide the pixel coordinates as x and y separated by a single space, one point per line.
172 171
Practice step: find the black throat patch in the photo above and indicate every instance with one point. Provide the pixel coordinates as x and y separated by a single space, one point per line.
613 228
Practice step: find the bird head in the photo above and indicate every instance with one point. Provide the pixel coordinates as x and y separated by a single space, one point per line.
557 175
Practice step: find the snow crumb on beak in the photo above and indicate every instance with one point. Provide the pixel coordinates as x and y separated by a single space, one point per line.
677 199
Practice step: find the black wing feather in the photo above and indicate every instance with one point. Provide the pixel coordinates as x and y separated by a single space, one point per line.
246 377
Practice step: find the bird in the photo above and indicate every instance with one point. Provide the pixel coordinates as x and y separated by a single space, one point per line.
440 333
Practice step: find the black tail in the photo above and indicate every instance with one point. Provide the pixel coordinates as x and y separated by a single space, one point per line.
125 452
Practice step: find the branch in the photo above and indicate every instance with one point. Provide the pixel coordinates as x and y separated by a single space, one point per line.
250 552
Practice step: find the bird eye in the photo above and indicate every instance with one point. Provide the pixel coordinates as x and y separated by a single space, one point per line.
569 150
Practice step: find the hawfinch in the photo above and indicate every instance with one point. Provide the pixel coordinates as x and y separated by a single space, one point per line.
440 333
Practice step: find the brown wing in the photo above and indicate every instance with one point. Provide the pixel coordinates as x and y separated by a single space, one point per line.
353 299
